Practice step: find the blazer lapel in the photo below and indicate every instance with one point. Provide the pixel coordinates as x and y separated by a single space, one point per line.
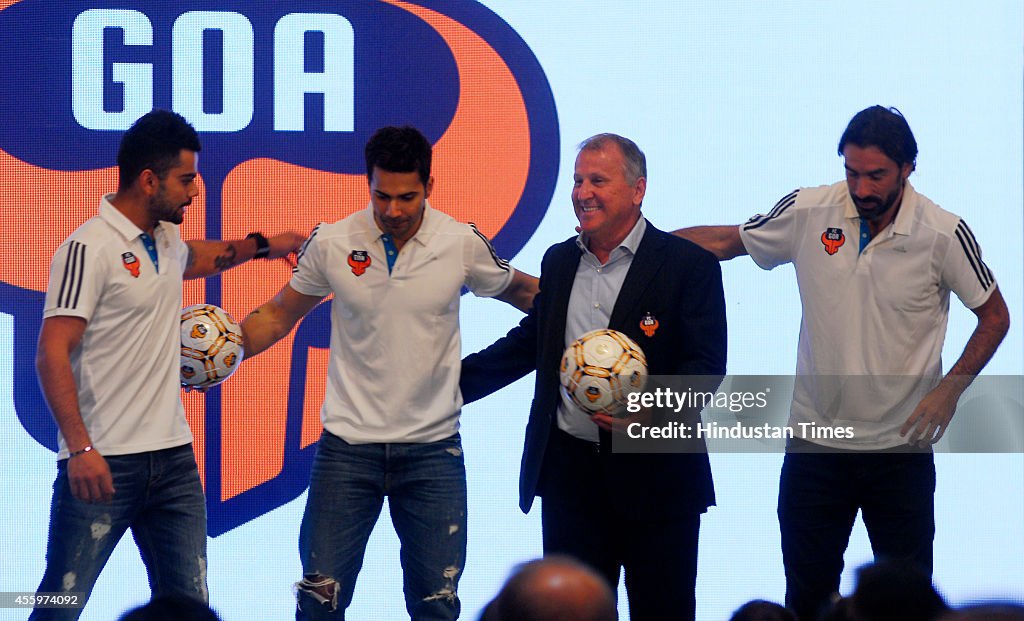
645 265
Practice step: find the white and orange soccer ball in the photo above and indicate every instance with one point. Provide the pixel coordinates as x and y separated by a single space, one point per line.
211 345
600 369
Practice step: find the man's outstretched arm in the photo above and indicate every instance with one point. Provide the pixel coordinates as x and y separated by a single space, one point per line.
520 291
722 241
209 258
271 322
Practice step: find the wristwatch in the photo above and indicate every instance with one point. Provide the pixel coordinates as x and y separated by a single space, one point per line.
262 245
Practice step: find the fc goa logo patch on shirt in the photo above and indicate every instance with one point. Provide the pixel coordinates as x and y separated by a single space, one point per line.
833 239
284 96
358 260
131 263
649 324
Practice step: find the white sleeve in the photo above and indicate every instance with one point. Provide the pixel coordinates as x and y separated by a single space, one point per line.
77 276
963 271
487 274
308 276
768 239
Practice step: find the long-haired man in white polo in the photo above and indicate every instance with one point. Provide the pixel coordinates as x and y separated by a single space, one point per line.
876 262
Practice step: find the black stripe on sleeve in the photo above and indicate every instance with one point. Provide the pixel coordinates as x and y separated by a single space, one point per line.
501 263
780 207
970 246
977 250
64 278
305 246
81 274
71 282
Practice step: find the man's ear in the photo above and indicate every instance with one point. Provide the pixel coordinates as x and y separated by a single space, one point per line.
905 171
639 189
148 182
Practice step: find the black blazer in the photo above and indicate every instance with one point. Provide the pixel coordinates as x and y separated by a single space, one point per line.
674 280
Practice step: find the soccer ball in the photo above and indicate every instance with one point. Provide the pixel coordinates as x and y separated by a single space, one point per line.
600 369
211 345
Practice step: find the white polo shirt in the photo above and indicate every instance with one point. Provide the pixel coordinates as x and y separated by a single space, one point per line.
873 322
126 368
395 353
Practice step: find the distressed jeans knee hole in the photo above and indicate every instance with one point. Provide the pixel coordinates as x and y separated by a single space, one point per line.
321 589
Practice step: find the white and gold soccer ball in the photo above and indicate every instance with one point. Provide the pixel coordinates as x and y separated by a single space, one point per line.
600 369
211 345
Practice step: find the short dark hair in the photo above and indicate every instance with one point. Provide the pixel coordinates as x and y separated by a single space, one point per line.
154 142
399 149
895 590
762 610
884 128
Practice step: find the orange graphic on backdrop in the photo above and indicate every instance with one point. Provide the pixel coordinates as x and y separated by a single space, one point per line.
480 165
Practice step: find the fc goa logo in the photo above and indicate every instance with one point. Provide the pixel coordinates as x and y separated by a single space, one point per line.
131 263
649 324
359 260
284 100
833 239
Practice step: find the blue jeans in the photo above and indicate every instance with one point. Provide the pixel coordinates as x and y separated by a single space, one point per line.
158 495
426 487
819 496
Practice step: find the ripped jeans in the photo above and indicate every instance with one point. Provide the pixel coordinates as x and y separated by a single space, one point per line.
426 488
159 497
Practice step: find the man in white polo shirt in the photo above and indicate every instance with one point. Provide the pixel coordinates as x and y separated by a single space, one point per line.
391 411
108 362
875 262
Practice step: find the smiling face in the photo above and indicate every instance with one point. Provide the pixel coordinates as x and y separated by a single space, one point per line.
398 199
606 201
876 184
168 197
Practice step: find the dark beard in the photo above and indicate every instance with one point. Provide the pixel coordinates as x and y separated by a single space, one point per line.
881 207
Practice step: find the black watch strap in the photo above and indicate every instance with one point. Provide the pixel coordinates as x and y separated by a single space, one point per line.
262 245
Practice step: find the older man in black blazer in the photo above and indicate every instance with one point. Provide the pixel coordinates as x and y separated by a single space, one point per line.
613 510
